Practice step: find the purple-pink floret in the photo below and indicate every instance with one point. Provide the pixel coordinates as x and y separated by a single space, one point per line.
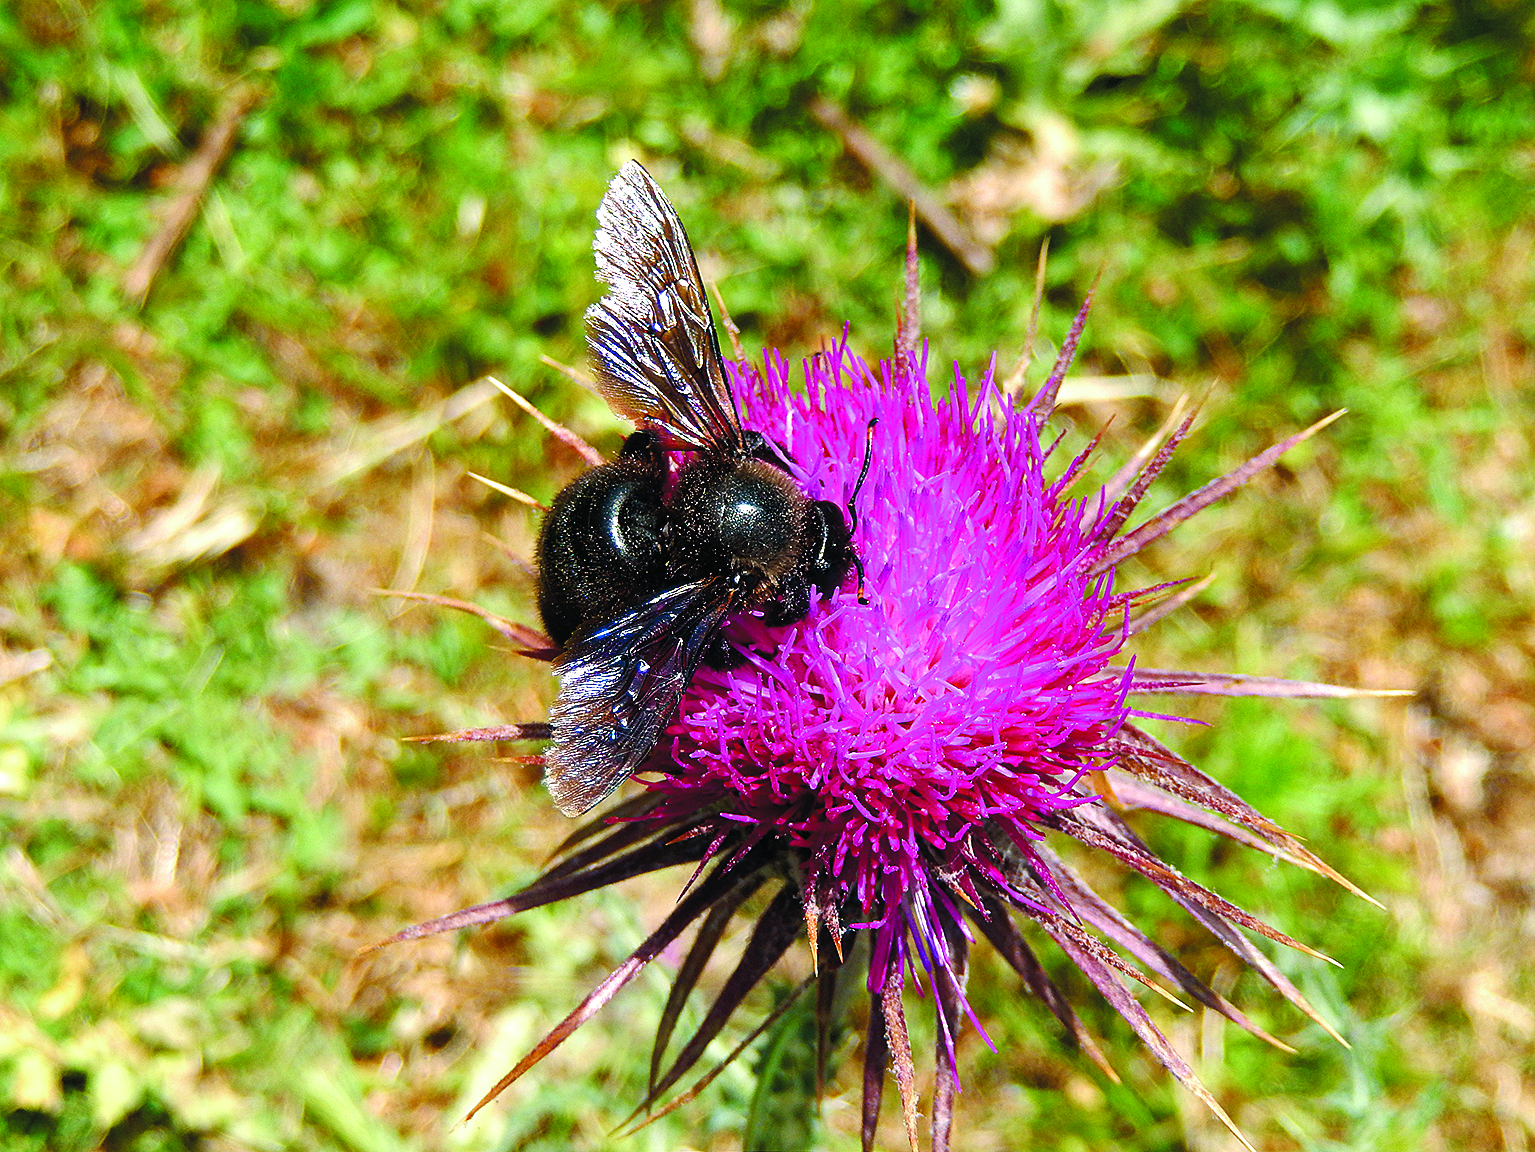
900 740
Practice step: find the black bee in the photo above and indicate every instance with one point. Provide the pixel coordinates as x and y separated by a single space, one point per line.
639 571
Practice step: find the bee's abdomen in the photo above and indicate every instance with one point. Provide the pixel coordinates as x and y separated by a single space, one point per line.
599 552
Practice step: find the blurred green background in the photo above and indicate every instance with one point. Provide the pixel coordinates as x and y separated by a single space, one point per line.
1295 206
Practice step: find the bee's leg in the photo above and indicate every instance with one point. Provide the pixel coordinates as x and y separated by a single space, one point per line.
792 603
644 448
722 655
759 447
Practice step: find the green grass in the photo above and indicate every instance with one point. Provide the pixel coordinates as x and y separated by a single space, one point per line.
205 807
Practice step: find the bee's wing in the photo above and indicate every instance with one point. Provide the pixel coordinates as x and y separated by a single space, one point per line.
652 336
620 684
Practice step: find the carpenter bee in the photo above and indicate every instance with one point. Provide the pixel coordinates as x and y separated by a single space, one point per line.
640 564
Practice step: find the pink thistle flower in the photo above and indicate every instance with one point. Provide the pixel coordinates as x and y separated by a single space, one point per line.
897 768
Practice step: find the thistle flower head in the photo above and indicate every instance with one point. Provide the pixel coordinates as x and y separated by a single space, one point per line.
928 732
899 768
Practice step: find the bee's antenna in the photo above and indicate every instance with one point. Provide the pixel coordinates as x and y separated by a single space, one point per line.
868 451
852 512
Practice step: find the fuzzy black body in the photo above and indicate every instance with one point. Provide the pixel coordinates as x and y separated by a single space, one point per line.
609 542
642 564
747 521
601 552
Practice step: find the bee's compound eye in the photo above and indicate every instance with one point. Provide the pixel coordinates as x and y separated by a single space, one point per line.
831 549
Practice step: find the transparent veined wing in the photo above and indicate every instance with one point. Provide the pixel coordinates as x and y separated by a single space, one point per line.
652 339
620 684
